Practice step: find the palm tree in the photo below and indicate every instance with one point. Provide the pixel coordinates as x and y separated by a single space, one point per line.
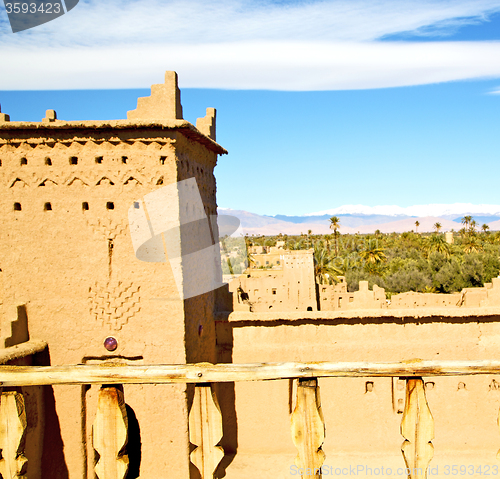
485 228
429 289
438 244
437 227
417 224
296 245
249 258
473 226
327 239
335 225
466 220
325 270
372 253
472 245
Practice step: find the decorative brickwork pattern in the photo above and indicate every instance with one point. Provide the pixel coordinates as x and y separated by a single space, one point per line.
114 303
107 228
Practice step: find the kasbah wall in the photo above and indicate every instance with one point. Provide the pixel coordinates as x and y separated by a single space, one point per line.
69 276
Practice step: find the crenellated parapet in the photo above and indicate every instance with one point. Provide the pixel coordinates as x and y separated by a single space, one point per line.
207 124
3 116
164 103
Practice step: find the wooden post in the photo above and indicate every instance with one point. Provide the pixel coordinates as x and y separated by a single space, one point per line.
205 431
13 464
308 428
417 427
110 434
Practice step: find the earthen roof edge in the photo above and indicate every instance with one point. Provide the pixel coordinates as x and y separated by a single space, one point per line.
186 128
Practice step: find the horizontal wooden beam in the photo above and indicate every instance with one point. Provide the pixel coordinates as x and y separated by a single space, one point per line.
113 373
21 350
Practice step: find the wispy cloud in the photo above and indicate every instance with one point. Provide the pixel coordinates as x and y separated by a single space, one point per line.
247 44
197 21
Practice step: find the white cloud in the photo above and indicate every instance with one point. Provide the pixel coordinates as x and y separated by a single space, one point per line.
246 44
255 65
198 21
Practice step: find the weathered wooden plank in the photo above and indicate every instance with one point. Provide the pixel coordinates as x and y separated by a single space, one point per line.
13 424
205 431
417 427
110 434
21 350
204 372
308 429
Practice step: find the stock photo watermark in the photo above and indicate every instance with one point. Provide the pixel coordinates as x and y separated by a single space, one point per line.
364 470
171 223
29 14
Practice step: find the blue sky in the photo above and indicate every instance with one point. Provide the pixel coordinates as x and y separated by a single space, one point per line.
320 103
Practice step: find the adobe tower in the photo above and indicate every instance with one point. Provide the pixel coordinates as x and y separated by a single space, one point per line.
69 266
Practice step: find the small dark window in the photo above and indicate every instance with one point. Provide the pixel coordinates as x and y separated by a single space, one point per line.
98 159
17 207
110 205
85 206
136 205
24 161
309 308
124 159
73 160
47 207
0 162
162 160
48 161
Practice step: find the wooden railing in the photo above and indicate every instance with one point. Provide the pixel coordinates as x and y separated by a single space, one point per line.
205 419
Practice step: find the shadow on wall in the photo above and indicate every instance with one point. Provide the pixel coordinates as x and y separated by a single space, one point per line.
53 464
134 445
225 391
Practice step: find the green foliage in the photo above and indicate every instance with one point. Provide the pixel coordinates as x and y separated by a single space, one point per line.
408 278
449 278
405 262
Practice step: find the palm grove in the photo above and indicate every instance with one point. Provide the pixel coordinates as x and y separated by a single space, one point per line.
410 261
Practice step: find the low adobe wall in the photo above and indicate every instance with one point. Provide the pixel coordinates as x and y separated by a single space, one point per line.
362 415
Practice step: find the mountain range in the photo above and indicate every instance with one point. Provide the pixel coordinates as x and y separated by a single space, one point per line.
368 219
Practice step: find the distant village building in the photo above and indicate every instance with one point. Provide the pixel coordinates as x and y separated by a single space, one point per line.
287 284
284 280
